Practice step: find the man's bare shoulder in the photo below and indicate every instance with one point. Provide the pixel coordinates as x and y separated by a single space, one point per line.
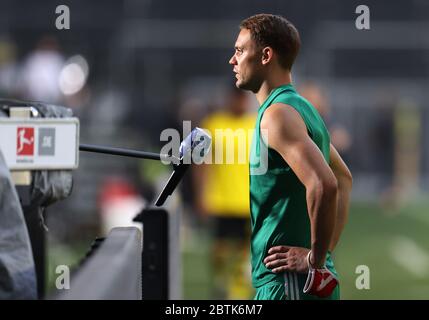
282 119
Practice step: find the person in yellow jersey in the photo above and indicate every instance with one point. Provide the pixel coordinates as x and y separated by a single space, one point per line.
223 195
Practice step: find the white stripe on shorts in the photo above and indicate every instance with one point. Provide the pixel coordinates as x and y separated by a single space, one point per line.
291 285
296 286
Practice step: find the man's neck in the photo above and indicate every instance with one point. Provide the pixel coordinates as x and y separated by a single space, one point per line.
270 84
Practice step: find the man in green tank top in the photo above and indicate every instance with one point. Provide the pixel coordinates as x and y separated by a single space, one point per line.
299 185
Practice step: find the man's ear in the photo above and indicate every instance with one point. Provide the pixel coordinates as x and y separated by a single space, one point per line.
267 55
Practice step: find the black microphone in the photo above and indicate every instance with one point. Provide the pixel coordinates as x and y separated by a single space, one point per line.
194 148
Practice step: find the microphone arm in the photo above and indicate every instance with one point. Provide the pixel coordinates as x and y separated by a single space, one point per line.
172 183
125 152
196 139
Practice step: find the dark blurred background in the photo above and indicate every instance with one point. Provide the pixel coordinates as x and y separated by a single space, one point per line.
129 69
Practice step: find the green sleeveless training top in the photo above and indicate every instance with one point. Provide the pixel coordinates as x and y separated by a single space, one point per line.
277 198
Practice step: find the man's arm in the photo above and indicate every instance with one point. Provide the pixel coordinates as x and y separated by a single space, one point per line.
287 134
345 181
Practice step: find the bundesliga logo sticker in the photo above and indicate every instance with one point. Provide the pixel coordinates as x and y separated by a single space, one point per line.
25 141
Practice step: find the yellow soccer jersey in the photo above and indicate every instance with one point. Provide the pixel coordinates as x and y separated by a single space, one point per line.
226 192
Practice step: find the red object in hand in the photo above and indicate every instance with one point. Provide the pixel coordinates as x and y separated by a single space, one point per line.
320 282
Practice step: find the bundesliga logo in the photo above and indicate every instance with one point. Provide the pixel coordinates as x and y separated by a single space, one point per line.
25 142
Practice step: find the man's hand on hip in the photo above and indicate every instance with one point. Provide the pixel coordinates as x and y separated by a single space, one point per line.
285 258
320 281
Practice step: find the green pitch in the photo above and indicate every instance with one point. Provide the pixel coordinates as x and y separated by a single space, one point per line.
392 243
